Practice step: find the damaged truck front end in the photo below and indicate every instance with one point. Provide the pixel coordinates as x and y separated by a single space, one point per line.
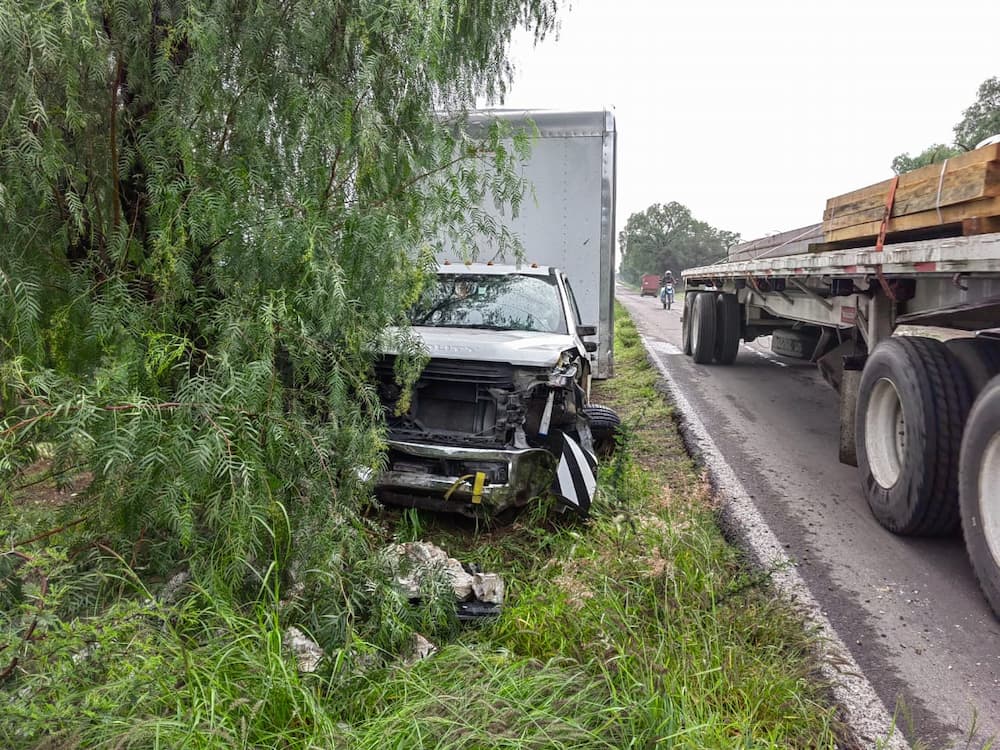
498 406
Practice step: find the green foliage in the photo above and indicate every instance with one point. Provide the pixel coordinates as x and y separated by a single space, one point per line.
639 628
667 236
474 698
211 214
201 676
980 121
931 155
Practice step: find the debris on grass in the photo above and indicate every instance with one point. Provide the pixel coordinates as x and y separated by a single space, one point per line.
416 565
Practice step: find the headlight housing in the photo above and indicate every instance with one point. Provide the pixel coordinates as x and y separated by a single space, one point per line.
564 374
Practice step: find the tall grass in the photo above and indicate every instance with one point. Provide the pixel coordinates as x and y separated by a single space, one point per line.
640 628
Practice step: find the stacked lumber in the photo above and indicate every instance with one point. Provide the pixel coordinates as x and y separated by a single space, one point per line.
962 192
792 242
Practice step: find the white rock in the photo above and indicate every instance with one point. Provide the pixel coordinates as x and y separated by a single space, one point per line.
307 652
488 587
171 589
420 648
427 559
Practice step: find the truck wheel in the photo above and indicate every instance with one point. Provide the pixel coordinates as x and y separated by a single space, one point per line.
980 359
979 490
686 321
912 404
604 424
727 334
703 329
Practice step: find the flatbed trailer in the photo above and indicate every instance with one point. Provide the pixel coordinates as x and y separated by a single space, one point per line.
909 335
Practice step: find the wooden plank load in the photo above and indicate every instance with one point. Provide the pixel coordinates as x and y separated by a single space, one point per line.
959 196
792 242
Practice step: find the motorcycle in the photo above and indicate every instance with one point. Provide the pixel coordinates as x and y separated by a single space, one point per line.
667 296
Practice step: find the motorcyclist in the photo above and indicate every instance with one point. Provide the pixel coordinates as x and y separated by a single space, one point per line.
667 288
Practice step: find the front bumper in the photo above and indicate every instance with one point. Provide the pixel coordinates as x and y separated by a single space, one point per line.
421 474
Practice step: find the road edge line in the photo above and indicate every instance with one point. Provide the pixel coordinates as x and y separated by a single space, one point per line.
866 715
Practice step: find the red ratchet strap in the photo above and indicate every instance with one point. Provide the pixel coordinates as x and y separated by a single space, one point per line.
889 201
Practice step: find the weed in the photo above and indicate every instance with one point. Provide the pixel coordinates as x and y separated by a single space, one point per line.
639 628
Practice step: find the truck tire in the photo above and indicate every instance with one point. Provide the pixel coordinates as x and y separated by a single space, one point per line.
980 359
703 329
912 404
979 490
686 321
604 424
727 334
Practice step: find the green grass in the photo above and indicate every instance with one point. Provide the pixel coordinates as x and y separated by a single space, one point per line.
640 628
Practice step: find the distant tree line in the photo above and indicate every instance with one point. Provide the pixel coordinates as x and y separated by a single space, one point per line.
667 236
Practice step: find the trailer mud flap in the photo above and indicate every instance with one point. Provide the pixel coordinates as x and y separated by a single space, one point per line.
576 480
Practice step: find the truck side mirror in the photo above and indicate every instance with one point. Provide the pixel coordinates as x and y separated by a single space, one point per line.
590 346
586 330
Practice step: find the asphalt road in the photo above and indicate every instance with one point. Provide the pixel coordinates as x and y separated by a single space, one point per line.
909 609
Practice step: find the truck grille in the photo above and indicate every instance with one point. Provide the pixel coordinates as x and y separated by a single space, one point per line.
490 374
452 402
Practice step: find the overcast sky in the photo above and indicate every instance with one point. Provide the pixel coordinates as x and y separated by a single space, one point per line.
753 113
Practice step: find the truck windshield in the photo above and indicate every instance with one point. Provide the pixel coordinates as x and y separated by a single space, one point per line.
506 303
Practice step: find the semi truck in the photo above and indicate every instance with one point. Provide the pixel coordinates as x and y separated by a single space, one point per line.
906 327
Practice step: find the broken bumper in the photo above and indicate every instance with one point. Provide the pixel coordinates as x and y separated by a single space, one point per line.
441 477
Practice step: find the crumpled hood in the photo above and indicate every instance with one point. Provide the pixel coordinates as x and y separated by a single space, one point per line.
518 348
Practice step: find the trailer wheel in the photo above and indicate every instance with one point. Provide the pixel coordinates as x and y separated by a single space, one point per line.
979 490
703 328
727 334
980 359
912 404
686 321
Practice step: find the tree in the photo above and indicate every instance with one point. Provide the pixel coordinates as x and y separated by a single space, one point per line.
931 155
981 120
210 212
668 237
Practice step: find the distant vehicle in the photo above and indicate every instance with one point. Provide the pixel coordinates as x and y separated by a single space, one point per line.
667 295
650 285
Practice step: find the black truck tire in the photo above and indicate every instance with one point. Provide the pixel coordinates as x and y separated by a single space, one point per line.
727 334
703 328
912 404
979 490
980 359
686 322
